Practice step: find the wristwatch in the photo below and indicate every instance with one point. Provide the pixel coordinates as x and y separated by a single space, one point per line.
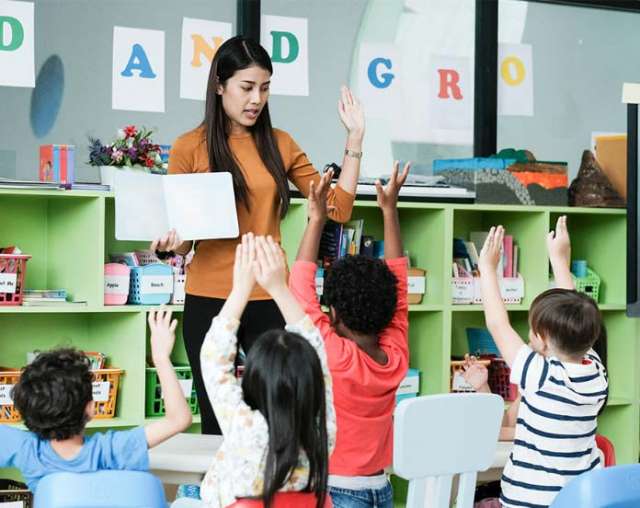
352 153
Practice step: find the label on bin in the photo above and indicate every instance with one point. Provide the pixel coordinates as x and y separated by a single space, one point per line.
416 285
187 388
5 395
8 282
116 284
156 284
101 391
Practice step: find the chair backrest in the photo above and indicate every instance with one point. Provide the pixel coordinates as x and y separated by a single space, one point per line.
285 500
611 487
439 436
607 449
102 489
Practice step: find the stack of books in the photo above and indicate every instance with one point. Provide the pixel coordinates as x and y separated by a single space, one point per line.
339 240
46 297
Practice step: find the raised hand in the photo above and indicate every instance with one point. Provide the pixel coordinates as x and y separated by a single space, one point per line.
243 276
351 113
163 334
559 244
270 267
317 207
491 250
388 195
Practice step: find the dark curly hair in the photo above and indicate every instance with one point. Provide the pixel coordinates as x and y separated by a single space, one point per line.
363 292
53 393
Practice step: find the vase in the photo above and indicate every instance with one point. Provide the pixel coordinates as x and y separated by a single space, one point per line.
108 173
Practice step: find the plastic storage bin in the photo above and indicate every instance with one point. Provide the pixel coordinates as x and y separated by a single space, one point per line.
13 268
8 412
105 392
481 342
499 380
179 282
116 283
590 285
154 405
151 284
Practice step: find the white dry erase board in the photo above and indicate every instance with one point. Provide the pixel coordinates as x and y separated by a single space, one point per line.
198 206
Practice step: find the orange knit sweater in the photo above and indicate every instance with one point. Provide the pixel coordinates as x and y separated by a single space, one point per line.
210 272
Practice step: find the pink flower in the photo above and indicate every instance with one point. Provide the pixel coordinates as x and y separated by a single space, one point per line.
117 155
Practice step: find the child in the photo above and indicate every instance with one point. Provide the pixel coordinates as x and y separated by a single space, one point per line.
366 336
279 426
54 397
561 380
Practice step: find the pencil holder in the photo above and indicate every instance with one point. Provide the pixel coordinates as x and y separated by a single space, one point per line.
116 283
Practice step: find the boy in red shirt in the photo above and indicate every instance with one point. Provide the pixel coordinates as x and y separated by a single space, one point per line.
366 338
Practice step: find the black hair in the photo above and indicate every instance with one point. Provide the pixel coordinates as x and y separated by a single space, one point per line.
283 380
363 292
570 319
53 392
233 55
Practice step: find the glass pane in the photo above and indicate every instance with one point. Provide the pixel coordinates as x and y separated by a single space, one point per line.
420 51
73 64
581 57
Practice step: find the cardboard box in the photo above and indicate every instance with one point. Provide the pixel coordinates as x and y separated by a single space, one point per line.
417 285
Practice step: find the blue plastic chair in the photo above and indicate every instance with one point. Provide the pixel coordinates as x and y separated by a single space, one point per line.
102 489
611 487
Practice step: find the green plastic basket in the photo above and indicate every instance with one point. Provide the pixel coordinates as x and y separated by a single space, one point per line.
154 400
589 285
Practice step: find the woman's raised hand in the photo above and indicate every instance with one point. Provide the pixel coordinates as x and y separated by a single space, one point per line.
170 241
351 113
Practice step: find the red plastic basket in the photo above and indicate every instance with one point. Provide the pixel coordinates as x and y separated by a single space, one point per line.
12 271
499 380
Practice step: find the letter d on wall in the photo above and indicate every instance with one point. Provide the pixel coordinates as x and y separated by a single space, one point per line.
16 33
17 47
286 40
294 47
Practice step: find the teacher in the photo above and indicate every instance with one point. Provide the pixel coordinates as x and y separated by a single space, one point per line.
236 136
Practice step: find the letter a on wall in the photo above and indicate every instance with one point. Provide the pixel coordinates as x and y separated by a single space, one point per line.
17 66
515 80
138 70
286 40
200 41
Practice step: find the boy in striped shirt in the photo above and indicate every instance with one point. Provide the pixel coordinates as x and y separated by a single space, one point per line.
561 380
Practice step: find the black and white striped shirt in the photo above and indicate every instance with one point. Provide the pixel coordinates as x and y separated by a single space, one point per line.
556 426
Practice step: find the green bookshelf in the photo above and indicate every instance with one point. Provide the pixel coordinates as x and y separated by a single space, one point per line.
70 234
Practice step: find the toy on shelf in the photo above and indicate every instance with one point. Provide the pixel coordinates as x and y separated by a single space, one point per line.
584 278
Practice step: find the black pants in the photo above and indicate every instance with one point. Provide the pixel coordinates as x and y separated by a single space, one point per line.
259 316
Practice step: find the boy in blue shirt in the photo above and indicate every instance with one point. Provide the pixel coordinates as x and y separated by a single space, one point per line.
54 397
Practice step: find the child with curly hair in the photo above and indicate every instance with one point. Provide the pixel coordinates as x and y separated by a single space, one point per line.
366 338
55 398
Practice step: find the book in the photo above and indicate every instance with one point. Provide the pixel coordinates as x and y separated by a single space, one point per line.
37 303
473 254
45 293
197 205
507 249
478 238
43 299
516 253
330 243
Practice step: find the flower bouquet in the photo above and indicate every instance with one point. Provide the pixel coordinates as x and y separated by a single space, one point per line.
132 150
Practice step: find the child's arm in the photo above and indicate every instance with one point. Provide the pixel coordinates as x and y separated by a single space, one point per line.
178 415
495 312
220 344
388 203
559 248
508 429
271 273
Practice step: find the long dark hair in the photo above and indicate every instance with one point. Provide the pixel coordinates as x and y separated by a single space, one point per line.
236 54
283 380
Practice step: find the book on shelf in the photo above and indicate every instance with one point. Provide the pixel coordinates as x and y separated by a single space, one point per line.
58 303
466 255
45 293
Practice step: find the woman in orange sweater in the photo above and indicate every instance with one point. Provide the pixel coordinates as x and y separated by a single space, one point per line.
236 136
